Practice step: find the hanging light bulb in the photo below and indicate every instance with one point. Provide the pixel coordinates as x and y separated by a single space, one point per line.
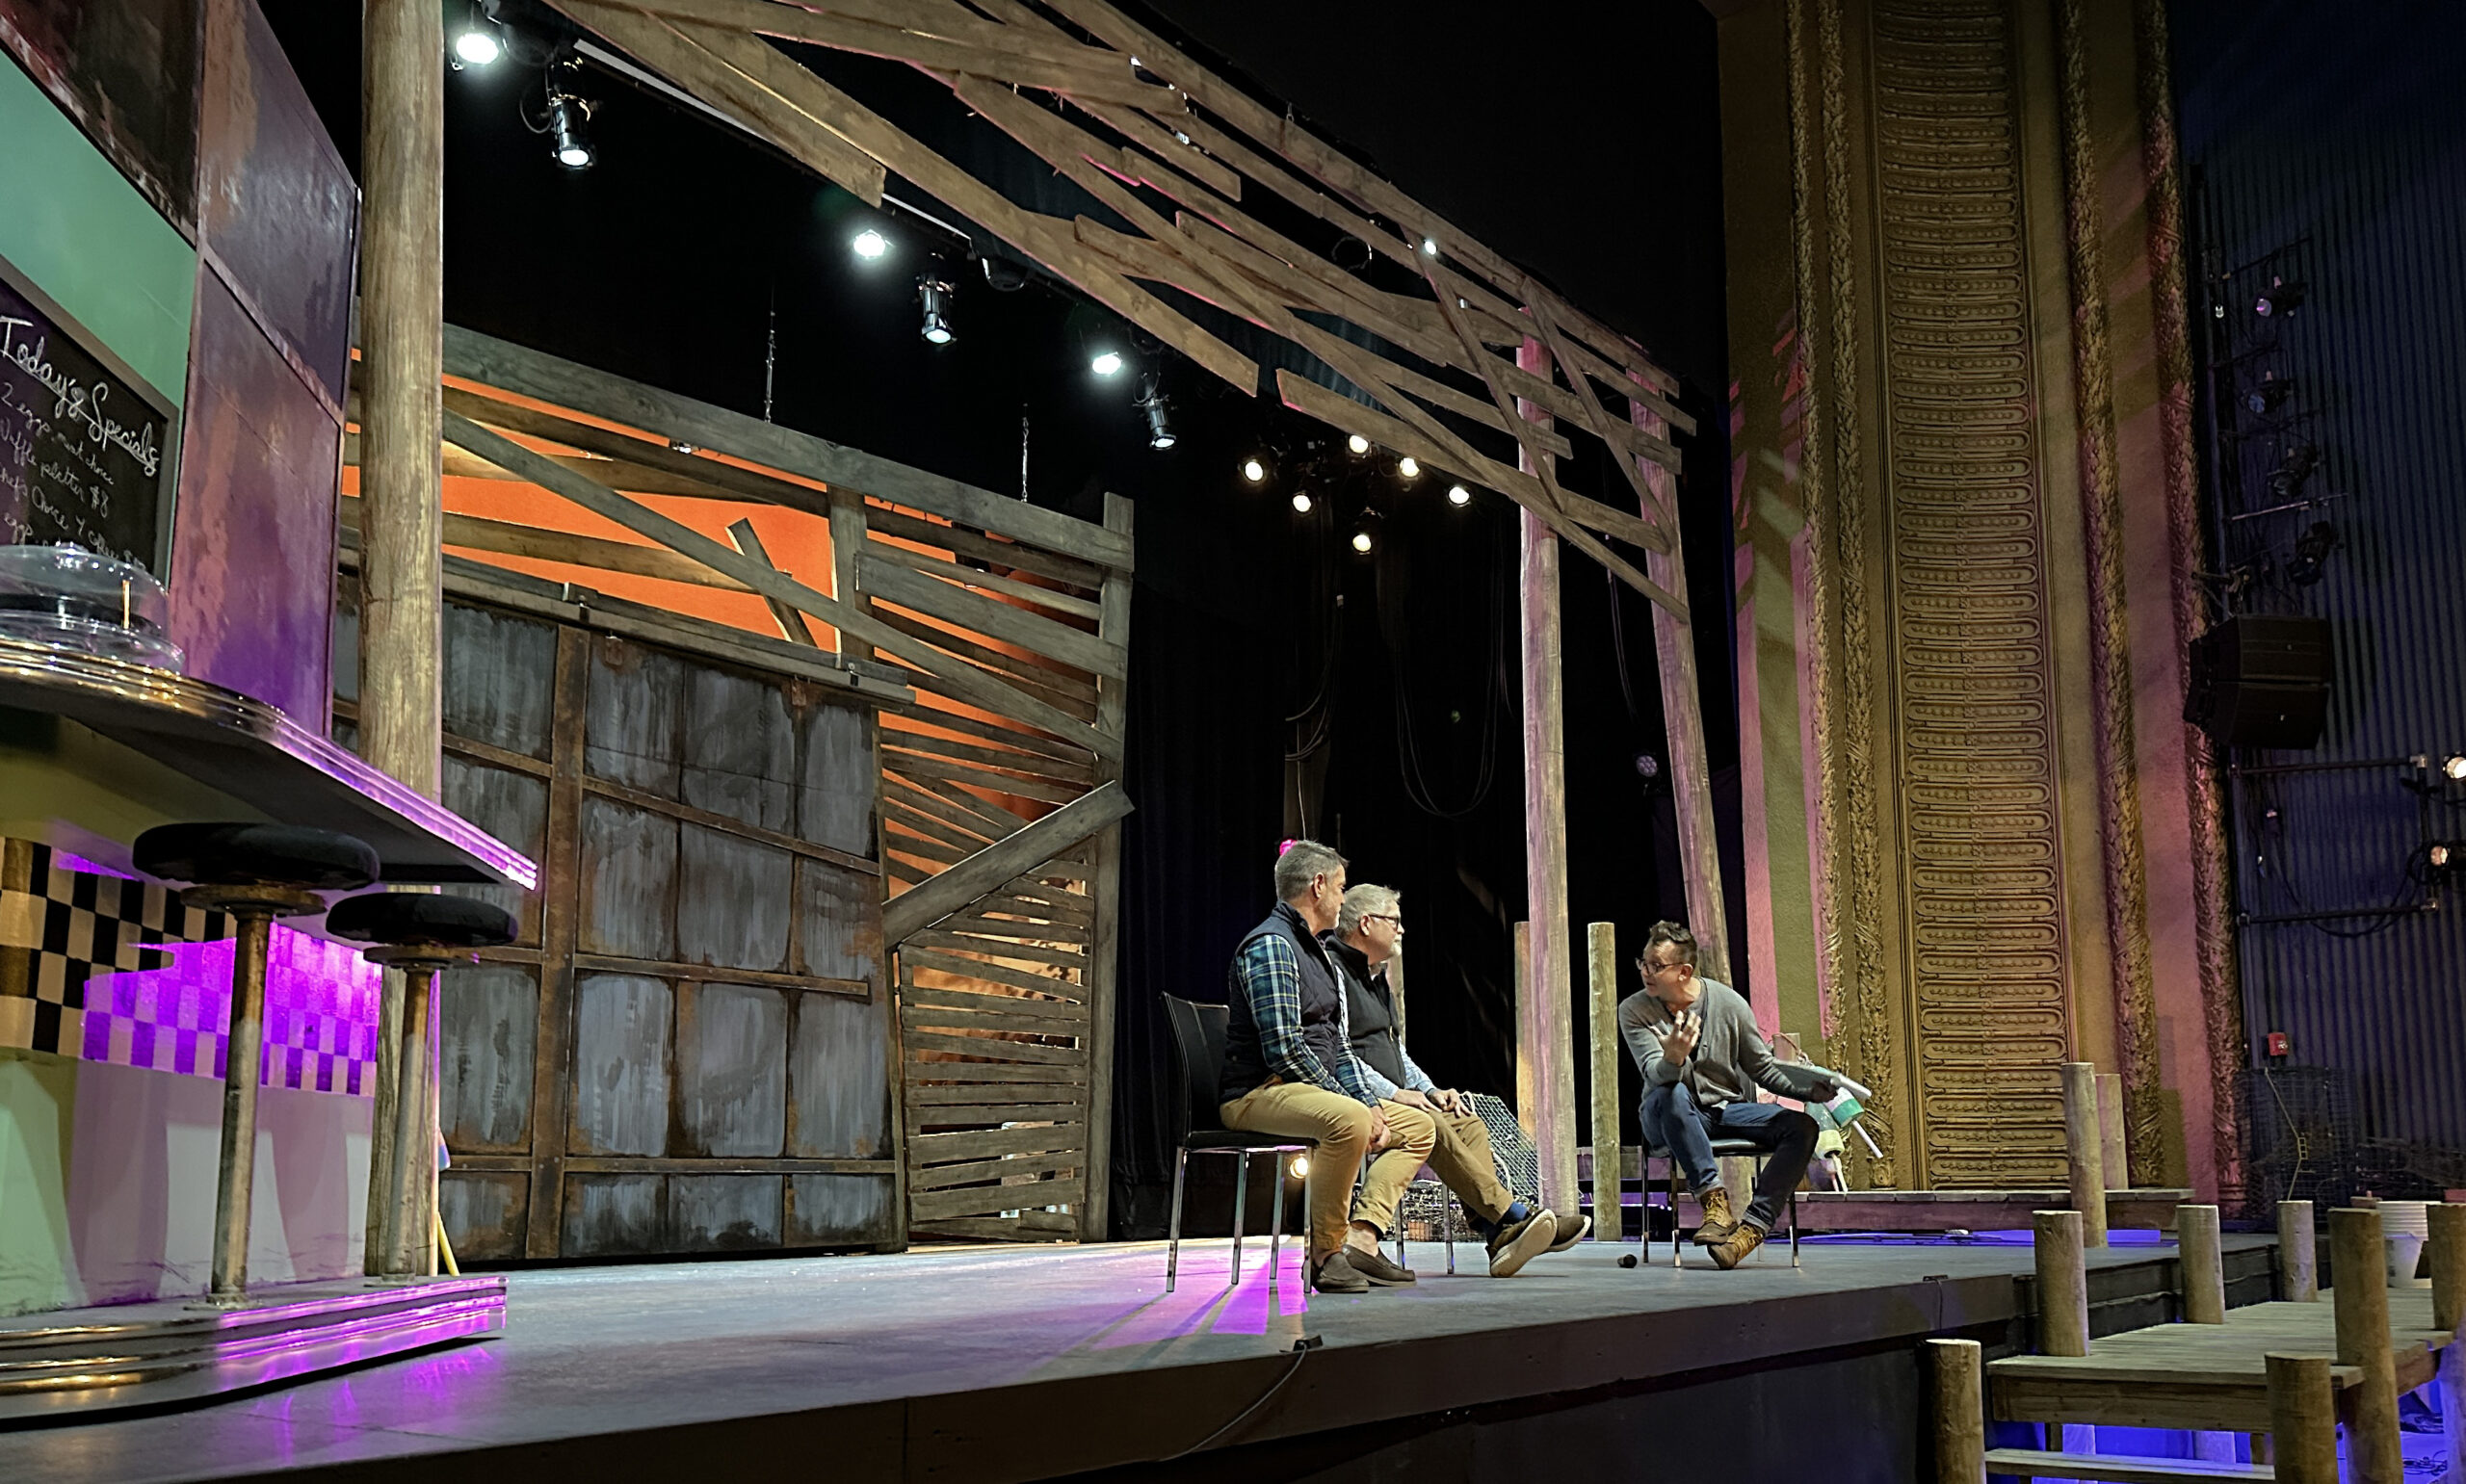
1457 494
1301 501
1361 542
1358 444
1254 469
1409 467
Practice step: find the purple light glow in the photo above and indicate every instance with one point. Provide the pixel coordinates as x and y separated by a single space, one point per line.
320 1017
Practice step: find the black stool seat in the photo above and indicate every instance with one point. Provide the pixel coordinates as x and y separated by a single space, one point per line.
288 855
421 919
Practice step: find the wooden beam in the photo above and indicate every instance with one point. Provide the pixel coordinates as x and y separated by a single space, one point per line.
505 538
528 372
805 139
955 889
963 682
792 624
898 583
1104 948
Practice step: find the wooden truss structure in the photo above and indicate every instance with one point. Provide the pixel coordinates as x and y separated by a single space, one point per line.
1174 158
995 636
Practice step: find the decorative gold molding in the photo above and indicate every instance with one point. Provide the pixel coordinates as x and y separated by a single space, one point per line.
2110 702
2221 1000
1875 1022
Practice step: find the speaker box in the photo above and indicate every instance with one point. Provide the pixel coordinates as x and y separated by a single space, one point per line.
2261 680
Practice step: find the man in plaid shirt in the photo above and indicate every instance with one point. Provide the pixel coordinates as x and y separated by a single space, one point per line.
1289 1071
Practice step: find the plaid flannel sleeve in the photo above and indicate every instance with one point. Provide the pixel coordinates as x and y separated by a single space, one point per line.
1272 982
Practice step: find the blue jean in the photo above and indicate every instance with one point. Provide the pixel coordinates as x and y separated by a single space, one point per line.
1673 1120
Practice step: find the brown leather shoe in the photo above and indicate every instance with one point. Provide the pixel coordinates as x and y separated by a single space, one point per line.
1336 1275
1376 1268
1719 1221
1731 1253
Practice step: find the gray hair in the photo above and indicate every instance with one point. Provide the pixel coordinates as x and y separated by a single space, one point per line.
1675 934
1368 899
1300 861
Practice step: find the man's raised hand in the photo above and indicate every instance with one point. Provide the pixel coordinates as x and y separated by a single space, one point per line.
1680 1038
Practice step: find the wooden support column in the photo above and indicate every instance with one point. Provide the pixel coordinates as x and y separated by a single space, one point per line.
2359 1293
1601 959
2298 1253
2062 1283
1959 1375
2114 1147
1113 702
2084 1151
1543 1014
2448 1246
1682 709
2204 1277
402 516
2303 1419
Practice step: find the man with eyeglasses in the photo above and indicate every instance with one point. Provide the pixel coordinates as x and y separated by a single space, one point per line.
1369 927
1702 1057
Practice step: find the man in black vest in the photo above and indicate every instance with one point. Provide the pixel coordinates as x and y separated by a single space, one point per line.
1288 1072
1369 929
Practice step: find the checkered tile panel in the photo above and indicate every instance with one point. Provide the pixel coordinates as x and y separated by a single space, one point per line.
113 968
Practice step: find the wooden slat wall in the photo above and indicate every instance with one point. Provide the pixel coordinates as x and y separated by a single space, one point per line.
1006 1003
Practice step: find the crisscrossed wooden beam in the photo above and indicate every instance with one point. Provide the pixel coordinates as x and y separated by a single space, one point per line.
1201 145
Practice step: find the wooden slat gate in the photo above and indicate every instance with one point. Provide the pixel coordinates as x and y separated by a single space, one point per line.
1002 828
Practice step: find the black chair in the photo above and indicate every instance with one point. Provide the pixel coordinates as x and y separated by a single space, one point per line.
1722 1149
1198 1066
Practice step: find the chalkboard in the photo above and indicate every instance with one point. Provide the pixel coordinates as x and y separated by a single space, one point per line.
85 446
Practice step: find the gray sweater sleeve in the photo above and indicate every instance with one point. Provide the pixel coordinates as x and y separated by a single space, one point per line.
1748 1049
1641 1019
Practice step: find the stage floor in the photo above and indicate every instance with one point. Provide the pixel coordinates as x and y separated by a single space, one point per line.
987 1364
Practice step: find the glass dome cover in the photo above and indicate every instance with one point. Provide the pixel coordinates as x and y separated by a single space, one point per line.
76 599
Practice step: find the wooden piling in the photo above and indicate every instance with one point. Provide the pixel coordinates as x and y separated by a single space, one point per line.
1601 958
2359 1264
2298 1253
2204 1275
2113 1154
2062 1283
2448 1247
2085 1151
1959 1367
2303 1419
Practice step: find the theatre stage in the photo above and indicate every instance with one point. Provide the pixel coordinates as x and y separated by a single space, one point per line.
998 1364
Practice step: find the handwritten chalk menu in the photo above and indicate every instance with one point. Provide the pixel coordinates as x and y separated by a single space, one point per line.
83 450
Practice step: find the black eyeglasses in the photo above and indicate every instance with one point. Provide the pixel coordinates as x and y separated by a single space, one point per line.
1384 917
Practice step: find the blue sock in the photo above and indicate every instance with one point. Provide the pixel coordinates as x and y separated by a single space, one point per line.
1516 1212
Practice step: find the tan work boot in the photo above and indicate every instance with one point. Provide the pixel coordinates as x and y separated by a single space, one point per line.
1731 1253
1719 1221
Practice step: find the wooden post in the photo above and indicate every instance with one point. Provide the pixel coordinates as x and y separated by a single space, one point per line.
2303 1419
1113 625
847 549
1682 709
1601 959
1959 1369
1544 1014
2447 1245
2062 1283
2085 1151
2204 1276
2114 1157
2298 1253
1528 1067
401 515
2359 1265
2451 1381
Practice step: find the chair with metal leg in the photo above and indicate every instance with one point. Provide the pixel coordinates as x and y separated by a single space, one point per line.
1722 1149
255 873
1198 1065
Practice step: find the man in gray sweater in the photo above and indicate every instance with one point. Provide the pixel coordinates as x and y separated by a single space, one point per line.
1702 1057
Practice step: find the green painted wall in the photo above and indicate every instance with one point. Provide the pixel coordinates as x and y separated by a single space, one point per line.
38 1103
72 222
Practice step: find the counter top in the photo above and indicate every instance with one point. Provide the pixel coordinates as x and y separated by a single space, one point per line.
260 756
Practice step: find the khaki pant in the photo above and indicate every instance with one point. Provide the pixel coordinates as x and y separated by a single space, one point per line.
1340 1126
1462 1160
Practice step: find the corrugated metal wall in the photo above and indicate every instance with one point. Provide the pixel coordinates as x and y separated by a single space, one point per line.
2327 146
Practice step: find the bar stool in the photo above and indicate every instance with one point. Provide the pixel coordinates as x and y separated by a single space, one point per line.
420 935
256 872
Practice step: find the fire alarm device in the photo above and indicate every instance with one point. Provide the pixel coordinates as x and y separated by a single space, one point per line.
2277 1043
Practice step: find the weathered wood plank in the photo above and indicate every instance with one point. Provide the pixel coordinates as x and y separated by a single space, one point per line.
901 739
1047 934
1060 959
963 884
912 957
897 525
924 1017
924 1206
943 1147
1056 600
899 582
944 1176
968 1073
505 538
955 1115
917 765
976 816
1046 1094
1042 678
1059 1014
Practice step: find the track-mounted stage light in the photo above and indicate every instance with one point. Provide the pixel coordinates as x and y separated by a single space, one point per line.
1105 363
934 293
1151 403
2453 768
870 244
569 129
476 41
2282 298
2269 396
